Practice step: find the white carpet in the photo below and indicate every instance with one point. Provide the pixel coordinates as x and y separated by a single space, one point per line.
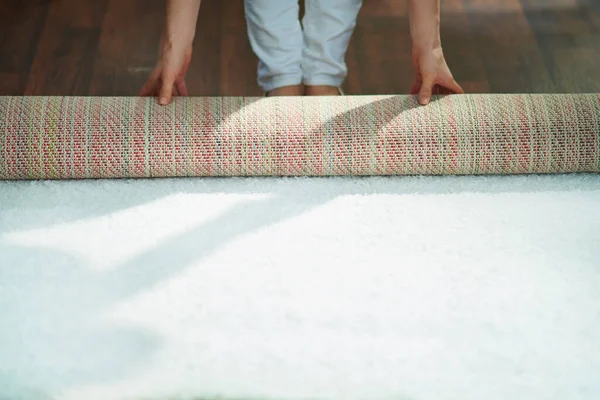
377 288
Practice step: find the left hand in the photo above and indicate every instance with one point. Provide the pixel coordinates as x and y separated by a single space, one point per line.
432 75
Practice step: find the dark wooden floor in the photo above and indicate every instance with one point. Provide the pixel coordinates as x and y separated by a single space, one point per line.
108 47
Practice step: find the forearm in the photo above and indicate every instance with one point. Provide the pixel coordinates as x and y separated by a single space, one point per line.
182 17
425 23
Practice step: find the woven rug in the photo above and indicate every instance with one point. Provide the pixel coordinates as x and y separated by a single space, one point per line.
122 137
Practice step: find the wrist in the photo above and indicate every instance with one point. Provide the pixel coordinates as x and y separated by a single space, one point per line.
426 43
425 23
177 37
426 37
176 42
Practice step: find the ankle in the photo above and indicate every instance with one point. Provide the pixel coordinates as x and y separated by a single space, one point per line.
321 90
295 90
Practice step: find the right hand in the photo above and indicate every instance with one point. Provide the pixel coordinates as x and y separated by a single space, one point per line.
168 77
432 73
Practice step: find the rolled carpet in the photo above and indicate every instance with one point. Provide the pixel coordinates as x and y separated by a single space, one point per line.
131 137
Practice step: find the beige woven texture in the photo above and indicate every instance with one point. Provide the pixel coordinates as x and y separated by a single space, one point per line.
128 137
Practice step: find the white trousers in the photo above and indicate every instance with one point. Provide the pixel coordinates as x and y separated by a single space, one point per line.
292 52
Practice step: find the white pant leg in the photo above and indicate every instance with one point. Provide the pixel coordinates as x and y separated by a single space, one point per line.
276 38
328 27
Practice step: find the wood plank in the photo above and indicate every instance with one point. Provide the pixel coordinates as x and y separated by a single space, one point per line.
507 47
385 8
238 64
204 75
377 20
470 86
21 24
108 47
78 14
569 43
576 70
460 49
12 84
128 48
383 46
63 64
591 8
66 51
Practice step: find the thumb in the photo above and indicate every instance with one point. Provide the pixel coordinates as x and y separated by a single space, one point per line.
166 90
427 88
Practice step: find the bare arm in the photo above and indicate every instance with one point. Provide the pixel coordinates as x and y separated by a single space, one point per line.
432 72
168 77
182 17
425 23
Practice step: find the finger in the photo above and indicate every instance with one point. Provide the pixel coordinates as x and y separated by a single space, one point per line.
453 86
181 88
166 91
417 83
415 88
149 87
426 88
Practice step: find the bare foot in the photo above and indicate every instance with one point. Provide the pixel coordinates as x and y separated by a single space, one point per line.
296 90
321 91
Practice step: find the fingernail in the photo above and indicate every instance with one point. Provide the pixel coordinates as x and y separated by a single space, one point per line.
162 101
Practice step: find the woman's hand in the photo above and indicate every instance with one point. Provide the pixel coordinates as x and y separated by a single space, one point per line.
168 77
432 74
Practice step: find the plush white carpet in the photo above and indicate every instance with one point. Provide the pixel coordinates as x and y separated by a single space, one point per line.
377 288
